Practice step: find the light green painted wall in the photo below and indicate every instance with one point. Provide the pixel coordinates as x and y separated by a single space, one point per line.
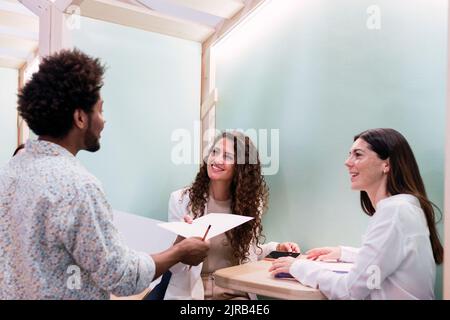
152 87
313 70
8 114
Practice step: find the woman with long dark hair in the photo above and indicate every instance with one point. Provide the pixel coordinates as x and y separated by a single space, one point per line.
229 181
401 246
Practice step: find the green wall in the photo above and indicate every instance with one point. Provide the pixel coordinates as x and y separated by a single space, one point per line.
8 114
319 75
152 87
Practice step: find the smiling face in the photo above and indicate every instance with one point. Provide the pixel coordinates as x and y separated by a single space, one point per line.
221 161
367 170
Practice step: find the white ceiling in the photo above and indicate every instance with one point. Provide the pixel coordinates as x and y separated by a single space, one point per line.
194 20
171 8
19 33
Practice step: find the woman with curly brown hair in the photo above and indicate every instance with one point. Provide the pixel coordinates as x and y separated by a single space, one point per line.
229 181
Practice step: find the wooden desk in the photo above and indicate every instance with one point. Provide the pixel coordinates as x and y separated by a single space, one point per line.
254 277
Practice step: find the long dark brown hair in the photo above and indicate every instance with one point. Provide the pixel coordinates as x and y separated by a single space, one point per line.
249 193
403 177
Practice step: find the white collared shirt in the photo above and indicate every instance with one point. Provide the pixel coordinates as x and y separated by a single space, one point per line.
395 261
186 283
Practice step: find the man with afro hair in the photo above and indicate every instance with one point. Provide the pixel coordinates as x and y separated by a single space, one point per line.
57 239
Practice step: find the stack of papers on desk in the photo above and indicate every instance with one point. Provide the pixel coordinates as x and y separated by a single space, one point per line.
220 223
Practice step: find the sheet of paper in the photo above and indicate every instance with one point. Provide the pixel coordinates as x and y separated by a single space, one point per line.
141 233
220 223
339 267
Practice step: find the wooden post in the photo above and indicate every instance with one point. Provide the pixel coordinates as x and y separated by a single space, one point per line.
20 122
209 92
209 98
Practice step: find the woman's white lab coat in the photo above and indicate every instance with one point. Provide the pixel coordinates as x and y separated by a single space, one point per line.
395 260
187 284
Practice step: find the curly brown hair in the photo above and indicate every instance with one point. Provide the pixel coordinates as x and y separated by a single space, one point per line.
249 194
66 81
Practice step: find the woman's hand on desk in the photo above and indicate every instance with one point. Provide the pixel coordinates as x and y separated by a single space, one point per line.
324 253
288 246
282 265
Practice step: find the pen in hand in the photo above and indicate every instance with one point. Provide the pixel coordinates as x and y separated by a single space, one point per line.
203 239
206 233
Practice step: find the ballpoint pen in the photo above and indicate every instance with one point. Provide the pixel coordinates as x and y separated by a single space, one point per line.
206 233
203 239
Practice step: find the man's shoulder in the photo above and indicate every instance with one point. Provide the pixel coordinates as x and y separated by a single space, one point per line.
5 175
70 173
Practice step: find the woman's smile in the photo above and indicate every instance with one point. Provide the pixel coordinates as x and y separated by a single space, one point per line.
217 167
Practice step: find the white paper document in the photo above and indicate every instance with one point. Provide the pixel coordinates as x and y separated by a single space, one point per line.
141 233
220 223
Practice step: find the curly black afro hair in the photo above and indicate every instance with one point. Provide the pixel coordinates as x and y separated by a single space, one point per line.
66 81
